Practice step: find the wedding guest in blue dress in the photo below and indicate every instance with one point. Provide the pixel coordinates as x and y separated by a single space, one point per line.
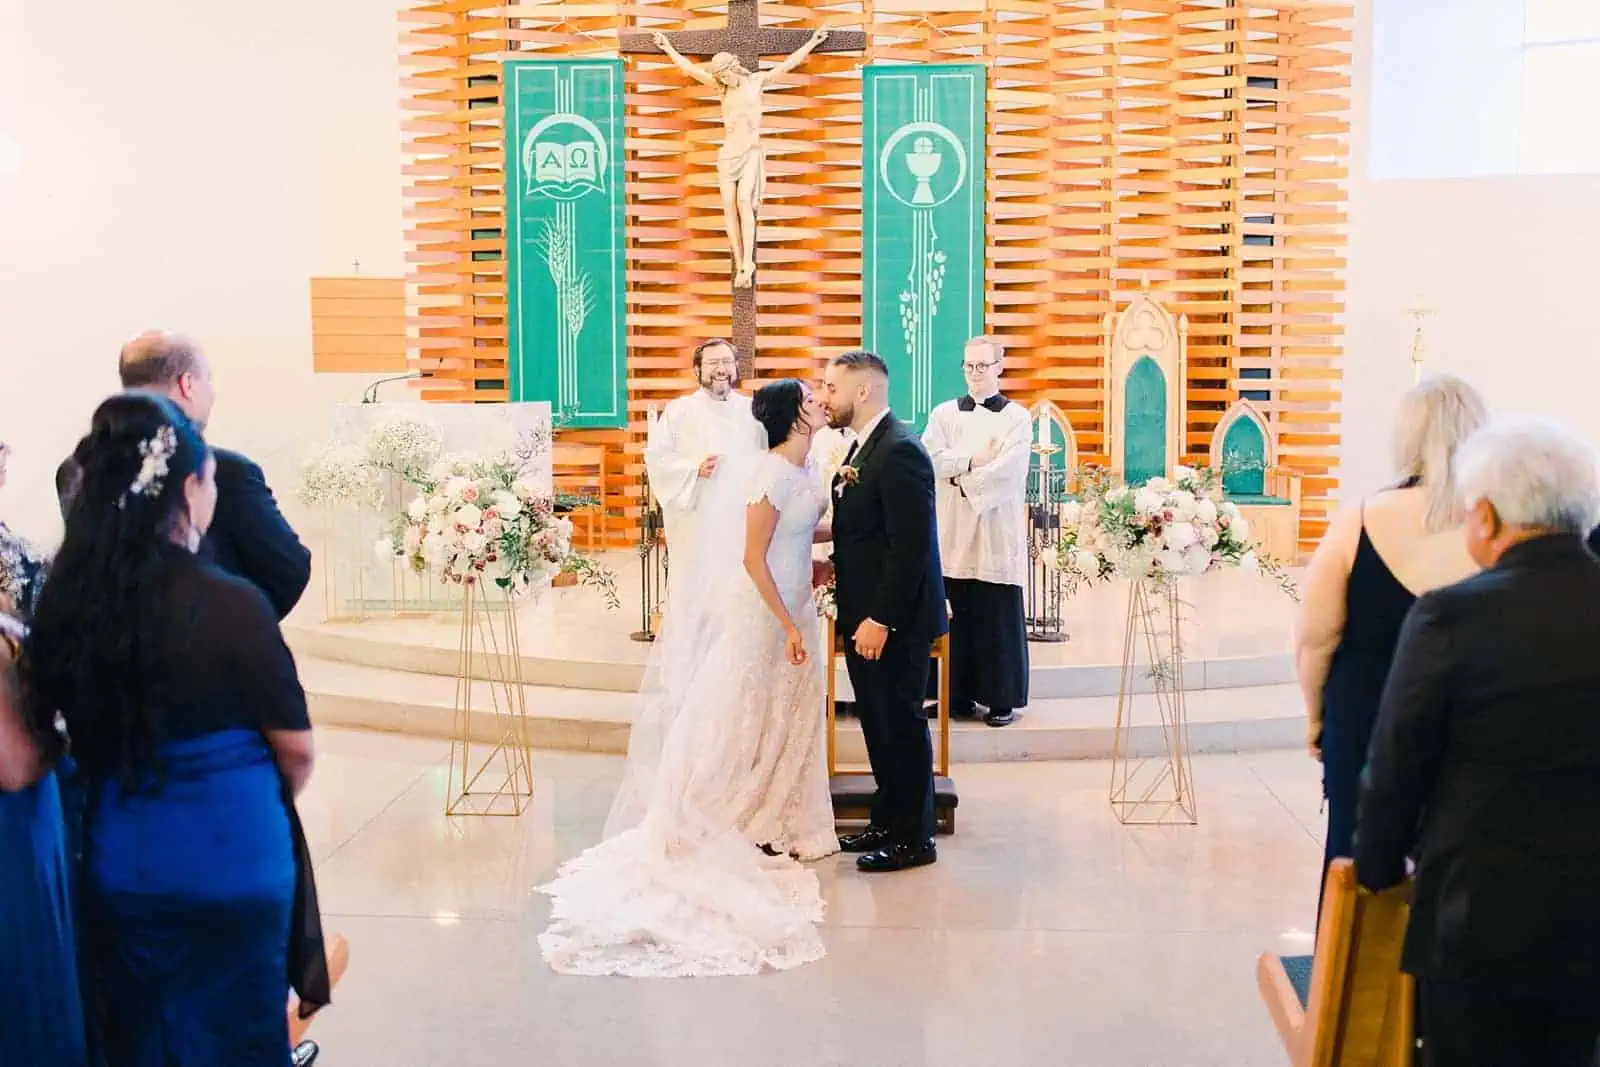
1372 564
43 1023
190 727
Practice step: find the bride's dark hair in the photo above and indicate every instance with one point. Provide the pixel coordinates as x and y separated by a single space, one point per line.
91 651
776 407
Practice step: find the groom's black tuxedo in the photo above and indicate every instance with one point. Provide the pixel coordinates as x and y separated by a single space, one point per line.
886 562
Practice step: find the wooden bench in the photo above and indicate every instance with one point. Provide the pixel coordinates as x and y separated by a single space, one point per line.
580 470
853 789
1358 1009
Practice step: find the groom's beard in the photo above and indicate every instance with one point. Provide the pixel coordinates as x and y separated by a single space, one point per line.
840 418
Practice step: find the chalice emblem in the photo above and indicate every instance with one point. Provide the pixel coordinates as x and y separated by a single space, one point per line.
924 163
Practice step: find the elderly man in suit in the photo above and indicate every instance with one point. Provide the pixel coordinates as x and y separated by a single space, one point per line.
249 536
1485 766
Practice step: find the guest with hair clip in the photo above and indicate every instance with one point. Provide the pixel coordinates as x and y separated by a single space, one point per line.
190 728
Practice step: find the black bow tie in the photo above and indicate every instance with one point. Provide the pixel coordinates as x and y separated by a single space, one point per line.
994 403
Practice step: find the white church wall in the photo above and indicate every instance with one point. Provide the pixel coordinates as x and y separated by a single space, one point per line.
1509 261
188 166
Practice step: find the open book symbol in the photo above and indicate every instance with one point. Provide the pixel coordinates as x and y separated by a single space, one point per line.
564 164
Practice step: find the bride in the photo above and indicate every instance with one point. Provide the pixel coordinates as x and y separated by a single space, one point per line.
725 790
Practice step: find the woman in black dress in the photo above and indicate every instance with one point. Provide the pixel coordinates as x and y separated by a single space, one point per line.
190 729
1372 564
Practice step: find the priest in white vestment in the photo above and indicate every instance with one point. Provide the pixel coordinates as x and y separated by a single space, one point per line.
687 445
980 444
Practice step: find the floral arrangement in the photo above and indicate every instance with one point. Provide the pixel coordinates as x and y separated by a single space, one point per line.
405 445
826 598
475 520
1158 533
339 474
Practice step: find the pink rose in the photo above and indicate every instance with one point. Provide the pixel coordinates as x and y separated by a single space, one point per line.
469 494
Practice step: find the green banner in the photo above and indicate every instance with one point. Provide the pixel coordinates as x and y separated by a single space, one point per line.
565 241
922 228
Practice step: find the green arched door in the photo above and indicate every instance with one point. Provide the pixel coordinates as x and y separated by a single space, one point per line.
1144 423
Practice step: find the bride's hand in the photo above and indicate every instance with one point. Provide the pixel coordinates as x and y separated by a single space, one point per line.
797 648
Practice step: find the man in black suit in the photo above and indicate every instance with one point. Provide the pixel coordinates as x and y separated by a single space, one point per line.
1485 765
891 606
249 536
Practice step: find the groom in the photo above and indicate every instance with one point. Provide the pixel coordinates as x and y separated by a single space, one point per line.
891 606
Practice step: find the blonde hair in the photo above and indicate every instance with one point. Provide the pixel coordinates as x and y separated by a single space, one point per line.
1436 417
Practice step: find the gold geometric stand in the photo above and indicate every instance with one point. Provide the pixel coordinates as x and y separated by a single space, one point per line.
1158 789
493 777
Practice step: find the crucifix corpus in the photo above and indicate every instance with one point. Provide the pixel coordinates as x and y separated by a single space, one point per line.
735 53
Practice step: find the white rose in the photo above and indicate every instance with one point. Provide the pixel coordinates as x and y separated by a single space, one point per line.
1182 474
1179 536
469 516
1197 560
438 505
1183 505
1249 563
434 548
474 542
417 510
455 487
1171 561
1205 511
1209 537
1230 509
1240 528
1146 501
1071 511
436 524
1159 485
507 505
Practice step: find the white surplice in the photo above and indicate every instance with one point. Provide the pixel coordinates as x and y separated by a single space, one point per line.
690 429
983 531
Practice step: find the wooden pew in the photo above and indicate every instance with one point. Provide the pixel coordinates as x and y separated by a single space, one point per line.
1359 1010
338 952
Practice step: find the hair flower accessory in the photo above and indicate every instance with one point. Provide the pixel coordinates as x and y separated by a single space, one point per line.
155 455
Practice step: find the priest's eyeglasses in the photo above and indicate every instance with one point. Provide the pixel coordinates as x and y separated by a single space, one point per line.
979 368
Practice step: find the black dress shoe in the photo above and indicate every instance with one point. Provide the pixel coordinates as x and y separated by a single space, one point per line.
898 858
304 1054
969 713
869 840
1000 717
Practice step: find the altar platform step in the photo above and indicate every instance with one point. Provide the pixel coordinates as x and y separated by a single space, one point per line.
396 701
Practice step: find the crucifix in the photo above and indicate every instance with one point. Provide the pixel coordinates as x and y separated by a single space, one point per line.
735 52
1419 311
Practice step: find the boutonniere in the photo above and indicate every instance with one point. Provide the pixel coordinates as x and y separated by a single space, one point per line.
846 477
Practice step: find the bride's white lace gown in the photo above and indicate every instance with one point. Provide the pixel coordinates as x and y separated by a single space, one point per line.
727 755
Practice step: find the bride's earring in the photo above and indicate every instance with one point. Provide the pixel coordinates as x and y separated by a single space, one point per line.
193 538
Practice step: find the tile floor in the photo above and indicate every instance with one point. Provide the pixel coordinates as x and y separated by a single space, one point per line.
1047 934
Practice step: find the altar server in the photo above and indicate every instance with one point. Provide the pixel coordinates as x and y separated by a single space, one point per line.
695 434
980 448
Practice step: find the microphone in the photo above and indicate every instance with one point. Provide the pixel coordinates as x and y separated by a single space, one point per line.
371 394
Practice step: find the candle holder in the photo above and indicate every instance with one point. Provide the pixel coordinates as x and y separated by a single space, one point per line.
1046 592
652 563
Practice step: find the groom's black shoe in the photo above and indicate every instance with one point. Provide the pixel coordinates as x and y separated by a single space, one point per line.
898 858
869 840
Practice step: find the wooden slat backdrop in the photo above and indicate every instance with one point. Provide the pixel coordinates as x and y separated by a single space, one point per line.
358 325
1201 144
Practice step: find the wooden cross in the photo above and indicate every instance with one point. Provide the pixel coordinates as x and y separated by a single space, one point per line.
744 36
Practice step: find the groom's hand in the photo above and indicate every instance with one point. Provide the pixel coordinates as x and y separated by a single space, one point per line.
870 639
708 466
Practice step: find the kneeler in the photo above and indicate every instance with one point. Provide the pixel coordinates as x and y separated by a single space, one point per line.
338 952
853 789
1352 1007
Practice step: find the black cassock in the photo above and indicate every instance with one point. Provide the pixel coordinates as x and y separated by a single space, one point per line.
988 646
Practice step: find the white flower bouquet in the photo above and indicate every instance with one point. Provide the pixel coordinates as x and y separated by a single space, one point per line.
339 475
1158 533
405 445
488 525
